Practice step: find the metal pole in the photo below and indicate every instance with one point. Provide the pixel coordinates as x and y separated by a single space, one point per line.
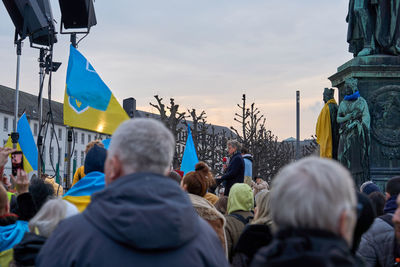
40 137
69 155
297 125
14 135
68 181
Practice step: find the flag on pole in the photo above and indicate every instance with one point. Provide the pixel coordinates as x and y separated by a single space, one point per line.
88 102
26 144
189 158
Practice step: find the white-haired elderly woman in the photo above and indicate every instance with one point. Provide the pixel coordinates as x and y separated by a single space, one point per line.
313 205
41 226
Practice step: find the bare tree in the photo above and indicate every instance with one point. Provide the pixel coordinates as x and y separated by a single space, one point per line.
172 118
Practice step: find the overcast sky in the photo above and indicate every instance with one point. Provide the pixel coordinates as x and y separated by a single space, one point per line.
205 54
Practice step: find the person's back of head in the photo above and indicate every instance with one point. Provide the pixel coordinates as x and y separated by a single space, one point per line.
222 204
378 201
40 192
262 213
139 145
175 176
369 187
393 186
50 215
93 143
4 204
240 198
315 193
95 159
198 181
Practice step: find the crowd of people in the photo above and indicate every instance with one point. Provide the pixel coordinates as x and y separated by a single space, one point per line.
127 207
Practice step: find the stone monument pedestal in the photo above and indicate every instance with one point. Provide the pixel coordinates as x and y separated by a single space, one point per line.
379 83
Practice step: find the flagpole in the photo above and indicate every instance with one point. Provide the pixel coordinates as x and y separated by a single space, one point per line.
14 134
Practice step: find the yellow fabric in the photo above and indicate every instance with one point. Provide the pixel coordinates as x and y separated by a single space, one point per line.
9 195
324 131
79 174
56 187
95 120
211 198
80 202
6 257
27 167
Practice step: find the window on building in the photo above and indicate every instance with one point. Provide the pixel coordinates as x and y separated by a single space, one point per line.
5 128
75 155
76 137
35 129
52 154
44 154
60 134
59 156
82 158
82 138
89 138
13 123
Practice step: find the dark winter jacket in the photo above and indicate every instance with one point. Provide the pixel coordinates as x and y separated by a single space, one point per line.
141 219
26 251
234 173
253 237
314 248
377 244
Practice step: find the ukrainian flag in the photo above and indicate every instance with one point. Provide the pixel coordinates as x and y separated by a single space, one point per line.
80 193
88 102
26 144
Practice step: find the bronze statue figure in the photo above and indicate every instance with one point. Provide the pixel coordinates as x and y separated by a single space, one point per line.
354 120
327 127
373 27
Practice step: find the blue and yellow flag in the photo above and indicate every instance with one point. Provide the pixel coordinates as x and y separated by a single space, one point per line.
26 144
88 102
189 159
80 193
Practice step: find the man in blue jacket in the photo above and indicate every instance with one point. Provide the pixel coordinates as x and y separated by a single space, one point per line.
235 171
141 218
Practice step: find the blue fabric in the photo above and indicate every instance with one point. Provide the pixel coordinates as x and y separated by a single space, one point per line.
248 165
91 183
234 173
189 159
84 84
352 97
27 142
143 219
391 205
12 234
106 143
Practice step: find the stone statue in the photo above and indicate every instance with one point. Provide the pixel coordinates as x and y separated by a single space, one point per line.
387 27
373 27
327 130
354 120
360 29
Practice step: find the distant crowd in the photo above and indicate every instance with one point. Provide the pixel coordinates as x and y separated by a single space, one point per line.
128 207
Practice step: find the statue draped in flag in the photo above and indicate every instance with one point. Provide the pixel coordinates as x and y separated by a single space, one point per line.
327 127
